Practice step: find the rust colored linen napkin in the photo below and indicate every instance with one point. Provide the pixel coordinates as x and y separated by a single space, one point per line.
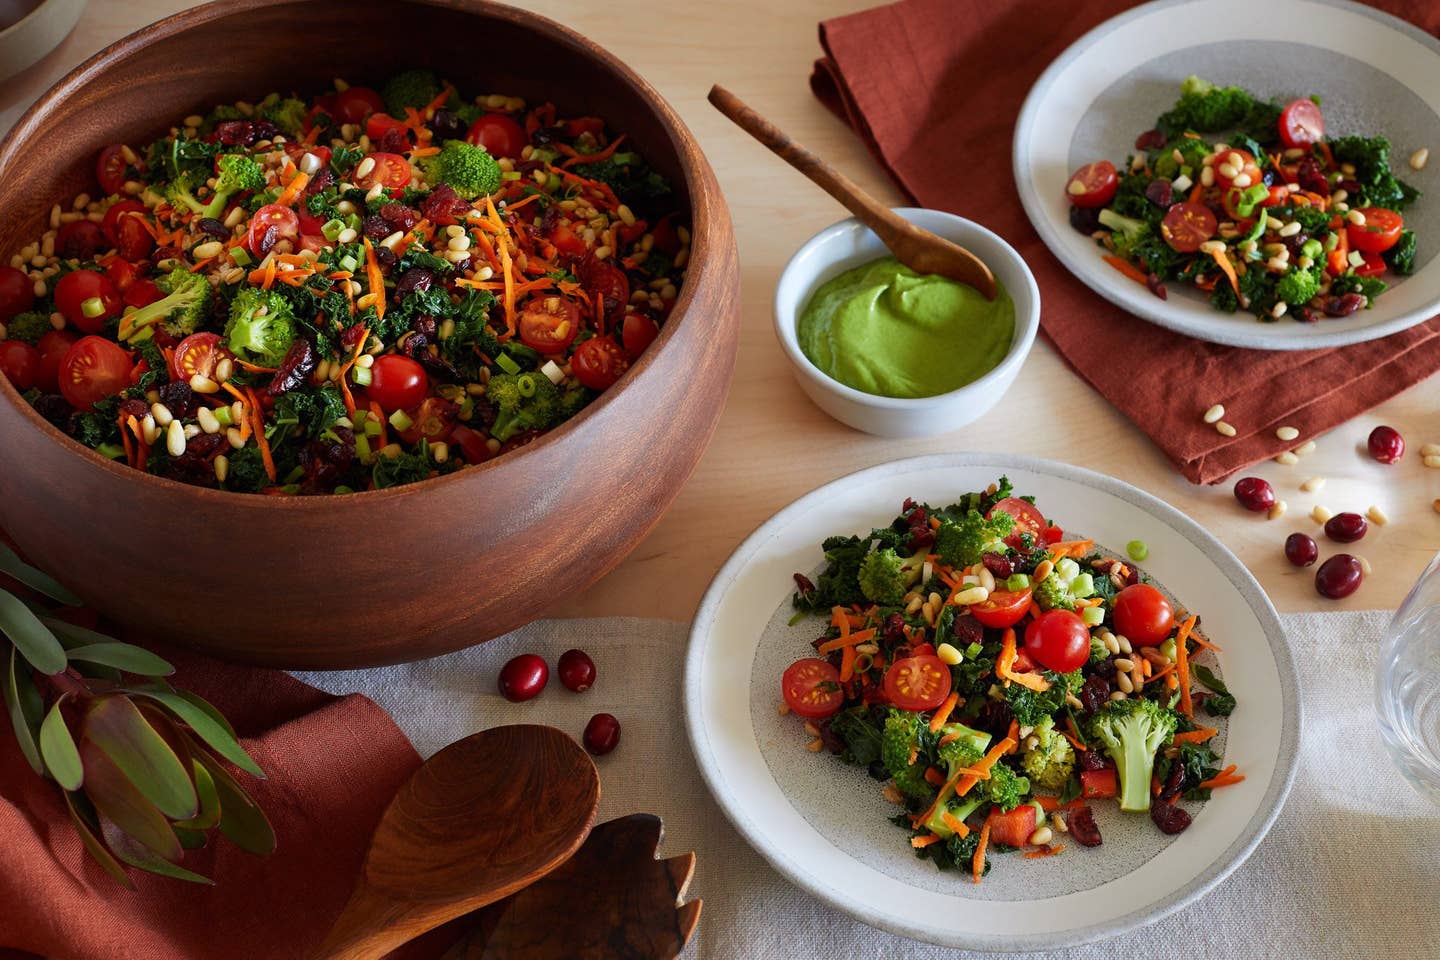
332 765
934 87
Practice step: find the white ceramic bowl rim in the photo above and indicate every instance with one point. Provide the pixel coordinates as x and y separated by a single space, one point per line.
1026 325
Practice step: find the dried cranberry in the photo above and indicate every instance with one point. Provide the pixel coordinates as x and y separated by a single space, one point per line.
803 584
195 465
1346 527
55 408
1343 306
414 280
1295 243
521 439
1155 285
909 503
1086 220
1347 184
1083 828
1094 694
1168 817
213 228
965 630
1308 175
1150 140
1092 760
1386 444
1000 565
1301 549
1254 494
326 461
134 408
447 125
375 228
1339 576
295 368
1132 575
351 335
1174 783
994 718
893 630
398 216
179 399
235 133
323 180
921 537
263 129
441 206
1160 192
161 254
1105 670
395 140
1303 314
385 258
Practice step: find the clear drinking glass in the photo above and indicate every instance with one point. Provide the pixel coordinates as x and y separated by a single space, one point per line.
1407 684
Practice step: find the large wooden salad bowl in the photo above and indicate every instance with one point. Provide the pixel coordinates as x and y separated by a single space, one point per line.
382 576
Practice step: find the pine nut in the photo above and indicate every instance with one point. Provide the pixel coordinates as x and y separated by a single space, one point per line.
816 745
1041 837
1419 158
914 604
1207 175
1287 458
1117 695
1313 484
1364 564
1279 310
1320 514
208 423
1431 461
972 595
207 250
1356 217
811 729
1124 664
236 438
1377 516
1125 646
1122 680
1286 433
1224 429
987 579
935 599
148 429
948 654
928 612
1214 413
783 709
175 438
1430 450
161 413
222 467
891 794
1059 823
1277 509
1228 171
1042 570
203 384
224 369
1305 448
1111 644
363 170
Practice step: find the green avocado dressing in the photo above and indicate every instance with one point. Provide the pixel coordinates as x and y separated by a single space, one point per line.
887 330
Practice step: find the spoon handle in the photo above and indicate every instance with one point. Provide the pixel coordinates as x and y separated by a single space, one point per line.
874 214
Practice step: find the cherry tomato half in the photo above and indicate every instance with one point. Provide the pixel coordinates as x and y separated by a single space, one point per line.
472 444
53 346
1093 185
498 134
80 240
91 370
380 124
549 323
20 362
355 104
604 280
1027 519
110 168
1003 608
811 688
599 362
17 292
271 224
1058 640
1187 225
397 382
391 171
1143 615
637 333
917 682
197 353
111 223
566 240
79 287
142 293
434 421
1301 124
1379 232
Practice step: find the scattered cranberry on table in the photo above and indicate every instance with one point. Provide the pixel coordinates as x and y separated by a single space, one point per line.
1254 494
577 670
523 677
1301 549
602 734
1386 444
1339 576
1346 527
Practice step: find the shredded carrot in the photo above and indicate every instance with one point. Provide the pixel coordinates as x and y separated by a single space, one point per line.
1045 851
943 713
1070 548
1004 666
1329 157
600 157
1227 268
257 415
919 843
847 664
268 277
964 779
846 640
1073 742
1167 672
956 825
293 188
1224 780
934 776
1127 268
1076 739
1182 665
1200 641
1051 804
977 863
202 264
375 280
1199 735
1197 191
255 368
419 152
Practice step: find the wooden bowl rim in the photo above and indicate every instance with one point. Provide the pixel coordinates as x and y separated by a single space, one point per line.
704 217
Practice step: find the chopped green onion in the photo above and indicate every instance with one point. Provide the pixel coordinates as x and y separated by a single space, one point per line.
1311 248
1137 550
973 650
510 175
373 427
223 417
526 385
344 489
348 263
331 229
1167 649
361 376
362 447
1093 616
1017 581
1332 240
296 474
112 450
290 489
1083 585
93 307
504 362
1357 259
400 420
241 258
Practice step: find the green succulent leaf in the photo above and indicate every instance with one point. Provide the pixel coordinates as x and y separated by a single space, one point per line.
11 564
209 815
17 689
190 839
72 634
117 728
207 724
57 748
93 845
31 637
123 656
241 819
138 855
119 802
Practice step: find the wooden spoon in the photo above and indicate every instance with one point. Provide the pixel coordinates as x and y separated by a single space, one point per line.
479 820
920 250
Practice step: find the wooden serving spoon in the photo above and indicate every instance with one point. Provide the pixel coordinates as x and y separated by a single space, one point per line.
920 250
478 821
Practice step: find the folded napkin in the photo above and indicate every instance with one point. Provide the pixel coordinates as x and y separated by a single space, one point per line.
332 764
925 82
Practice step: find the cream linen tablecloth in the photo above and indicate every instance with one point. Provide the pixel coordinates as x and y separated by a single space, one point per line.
1351 869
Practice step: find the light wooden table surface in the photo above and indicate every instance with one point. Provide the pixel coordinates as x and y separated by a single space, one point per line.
772 445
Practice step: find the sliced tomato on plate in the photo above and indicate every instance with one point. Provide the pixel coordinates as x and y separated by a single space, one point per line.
811 688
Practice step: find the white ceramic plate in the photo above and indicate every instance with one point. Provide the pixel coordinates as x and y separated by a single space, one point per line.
1375 74
824 824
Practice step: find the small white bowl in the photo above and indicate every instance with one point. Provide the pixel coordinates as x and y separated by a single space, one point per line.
848 244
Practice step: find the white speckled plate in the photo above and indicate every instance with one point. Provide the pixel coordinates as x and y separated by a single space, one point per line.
1375 74
824 824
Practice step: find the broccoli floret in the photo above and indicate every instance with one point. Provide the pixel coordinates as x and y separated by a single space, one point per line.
1099 653
964 751
527 401
1298 286
261 327
962 542
1050 764
1206 108
28 327
1052 594
414 89
1401 257
237 174
288 114
179 313
469 170
885 575
1065 584
572 401
1131 731
1006 788
898 743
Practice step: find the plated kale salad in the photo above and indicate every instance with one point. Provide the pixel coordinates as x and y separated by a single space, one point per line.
998 678
1250 202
